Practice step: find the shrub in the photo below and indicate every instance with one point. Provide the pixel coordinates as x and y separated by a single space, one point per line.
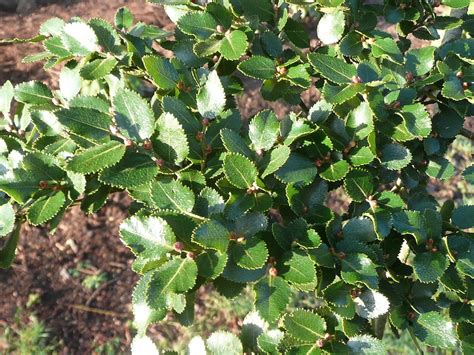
219 201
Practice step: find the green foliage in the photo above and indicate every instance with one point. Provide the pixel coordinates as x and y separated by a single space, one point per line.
220 202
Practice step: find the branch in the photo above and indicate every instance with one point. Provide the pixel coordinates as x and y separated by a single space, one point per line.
413 337
467 133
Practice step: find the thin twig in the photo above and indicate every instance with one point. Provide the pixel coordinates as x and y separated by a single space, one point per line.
467 133
102 287
417 345
97 310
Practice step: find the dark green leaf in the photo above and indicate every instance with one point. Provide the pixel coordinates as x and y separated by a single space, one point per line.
175 276
305 325
239 170
133 170
233 45
171 194
198 24
33 93
336 171
250 254
98 68
297 170
358 268
359 184
211 263
258 67
429 266
395 156
45 208
212 235
97 158
271 297
161 71
333 69
275 160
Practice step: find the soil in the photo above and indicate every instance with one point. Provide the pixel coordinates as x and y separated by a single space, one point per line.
80 318
53 266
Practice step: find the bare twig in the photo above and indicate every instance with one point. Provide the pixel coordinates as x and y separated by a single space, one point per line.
467 133
104 312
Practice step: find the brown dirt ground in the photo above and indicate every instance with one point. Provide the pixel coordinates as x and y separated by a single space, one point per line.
43 260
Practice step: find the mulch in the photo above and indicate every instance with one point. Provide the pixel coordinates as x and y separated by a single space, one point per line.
79 318
82 319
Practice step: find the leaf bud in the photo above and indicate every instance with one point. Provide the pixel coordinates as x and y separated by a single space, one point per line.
208 149
273 271
178 246
396 105
356 79
147 145
199 136
252 190
181 85
282 70
320 343
314 44
160 163
129 143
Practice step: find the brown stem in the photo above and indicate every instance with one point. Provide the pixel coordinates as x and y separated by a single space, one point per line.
467 133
